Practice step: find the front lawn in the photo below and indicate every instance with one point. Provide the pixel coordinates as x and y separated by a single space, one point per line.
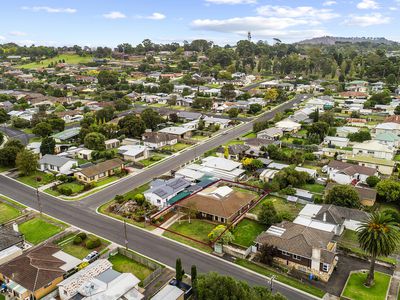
282 206
197 229
40 229
8 212
106 181
176 148
32 180
250 135
356 290
79 251
152 160
124 264
234 142
314 188
246 232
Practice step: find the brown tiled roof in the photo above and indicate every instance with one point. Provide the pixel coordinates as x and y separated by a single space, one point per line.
157 137
392 119
34 269
299 239
104 166
351 169
223 207
353 94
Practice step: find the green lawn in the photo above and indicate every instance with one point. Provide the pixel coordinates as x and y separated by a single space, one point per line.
106 181
124 264
32 179
281 206
152 160
267 271
250 135
314 188
39 229
2 297
8 212
246 231
69 58
234 142
176 148
199 137
356 290
197 229
79 251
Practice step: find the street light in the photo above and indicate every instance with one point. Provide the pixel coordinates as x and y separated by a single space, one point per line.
271 282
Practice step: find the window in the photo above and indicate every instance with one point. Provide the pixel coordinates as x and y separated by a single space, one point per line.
325 267
297 257
285 253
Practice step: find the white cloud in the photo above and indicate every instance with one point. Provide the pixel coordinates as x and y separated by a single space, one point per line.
17 33
367 20
329 3
305 12
393 8
50 9
232 2
368 4
113 15
156 16
2 38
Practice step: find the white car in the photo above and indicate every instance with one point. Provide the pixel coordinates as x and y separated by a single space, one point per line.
92 256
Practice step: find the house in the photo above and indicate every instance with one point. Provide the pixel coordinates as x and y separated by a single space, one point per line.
258 143
180 133
11 243
357 86
222 168
222 123
37 272
85 154
101 170
221 204
389 139
99 281
57 164
330 218
67 135
335 141
188 116
163 190
156 140
390 127
133 152
268 174
112 143
313 173
346 173
169 292
271 134
235 152
288 126
303 248
383 166
344 131
375 149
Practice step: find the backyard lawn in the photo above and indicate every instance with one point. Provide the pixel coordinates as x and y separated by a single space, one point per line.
356 290
281 206
69 58
39 229
8 212
197 229
124 264
246 232
79 251
314 188
31 180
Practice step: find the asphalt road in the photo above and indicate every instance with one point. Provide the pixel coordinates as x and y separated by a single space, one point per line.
83 214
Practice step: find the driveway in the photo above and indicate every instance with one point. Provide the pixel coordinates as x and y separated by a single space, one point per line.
346 264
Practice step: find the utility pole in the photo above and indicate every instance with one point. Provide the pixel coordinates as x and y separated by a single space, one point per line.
271 282
39 201
126 236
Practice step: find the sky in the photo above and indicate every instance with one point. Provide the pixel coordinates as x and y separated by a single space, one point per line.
111 22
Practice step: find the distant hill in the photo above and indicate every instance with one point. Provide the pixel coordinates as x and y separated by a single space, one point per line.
332 40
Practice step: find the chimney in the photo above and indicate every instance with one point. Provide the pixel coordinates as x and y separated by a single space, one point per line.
324 217
15 227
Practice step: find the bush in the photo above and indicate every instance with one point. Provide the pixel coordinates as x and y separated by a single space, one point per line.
309 156
67 191
93 243
119 199
288 191
88 186
82 235
77 240
372 181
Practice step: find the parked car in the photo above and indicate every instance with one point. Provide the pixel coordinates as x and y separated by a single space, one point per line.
92 256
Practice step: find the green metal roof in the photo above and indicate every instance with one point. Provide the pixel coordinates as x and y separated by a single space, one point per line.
387 136
178 197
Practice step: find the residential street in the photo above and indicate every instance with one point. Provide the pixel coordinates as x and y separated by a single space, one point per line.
83 213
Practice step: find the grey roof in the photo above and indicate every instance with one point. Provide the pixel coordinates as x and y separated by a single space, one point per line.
164 189
338 214
108 276
9 237
235 149
54 160
189 115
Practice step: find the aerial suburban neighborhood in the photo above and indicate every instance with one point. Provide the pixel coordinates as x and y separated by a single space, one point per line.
257 168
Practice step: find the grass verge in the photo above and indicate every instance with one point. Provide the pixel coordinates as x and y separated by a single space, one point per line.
356 290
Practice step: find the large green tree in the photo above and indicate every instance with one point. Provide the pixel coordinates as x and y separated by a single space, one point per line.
388 190
378 236
26 162
343 195
106 77
47 146
42 129
95 141
267 214
151 118
131 126
3 116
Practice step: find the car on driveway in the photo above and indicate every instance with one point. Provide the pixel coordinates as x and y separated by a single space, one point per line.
92 256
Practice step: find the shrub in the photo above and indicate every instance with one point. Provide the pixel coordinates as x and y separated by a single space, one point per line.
93 243
372 181
88 186
77 240
119 199
82 235
65 190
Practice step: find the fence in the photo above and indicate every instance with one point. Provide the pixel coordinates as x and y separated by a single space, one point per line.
157 269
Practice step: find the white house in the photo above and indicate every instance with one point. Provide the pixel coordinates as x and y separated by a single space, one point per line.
223 123
288 126
375 149
155 140
346 173
389 127
134 152
271 134
179 132
57 164
336 141
344 131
